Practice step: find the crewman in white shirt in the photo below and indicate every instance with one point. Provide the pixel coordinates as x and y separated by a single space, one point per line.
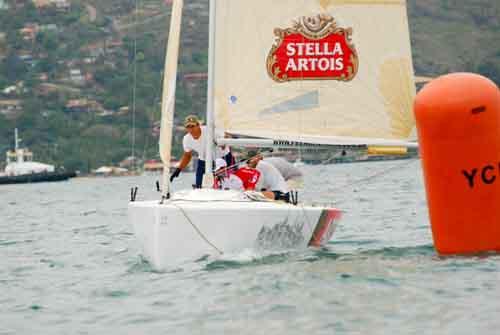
195 140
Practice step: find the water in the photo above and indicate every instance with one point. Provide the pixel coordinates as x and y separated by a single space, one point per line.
69 265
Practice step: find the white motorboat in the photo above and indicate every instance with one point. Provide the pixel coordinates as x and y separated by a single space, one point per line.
20 167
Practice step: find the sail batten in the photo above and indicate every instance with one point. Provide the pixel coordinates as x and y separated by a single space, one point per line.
278 71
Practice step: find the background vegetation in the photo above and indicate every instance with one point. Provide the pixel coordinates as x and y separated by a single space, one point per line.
447 36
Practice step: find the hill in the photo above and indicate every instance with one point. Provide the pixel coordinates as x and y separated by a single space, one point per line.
72 70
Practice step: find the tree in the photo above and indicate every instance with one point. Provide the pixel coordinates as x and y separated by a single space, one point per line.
491 70
48 40
14 68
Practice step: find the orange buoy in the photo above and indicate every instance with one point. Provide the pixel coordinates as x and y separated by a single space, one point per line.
458 122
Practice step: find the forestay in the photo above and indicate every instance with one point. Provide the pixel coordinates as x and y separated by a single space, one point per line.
318 71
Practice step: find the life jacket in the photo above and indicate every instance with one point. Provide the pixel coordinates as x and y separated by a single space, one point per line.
249 177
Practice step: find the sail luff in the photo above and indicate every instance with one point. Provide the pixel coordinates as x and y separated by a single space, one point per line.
208 177
168 94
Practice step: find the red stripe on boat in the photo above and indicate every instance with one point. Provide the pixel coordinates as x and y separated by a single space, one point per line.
323 226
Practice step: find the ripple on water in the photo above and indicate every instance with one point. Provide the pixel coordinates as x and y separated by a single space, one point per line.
6 243
379 275
52 263
138 265
36 307
111 293
246 259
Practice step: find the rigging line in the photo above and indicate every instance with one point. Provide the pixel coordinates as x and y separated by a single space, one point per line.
375 175
134 90
196 228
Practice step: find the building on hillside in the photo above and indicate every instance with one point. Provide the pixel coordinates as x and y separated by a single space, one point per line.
105 113
63 5
195 76
153 165
83 105
93 50
29 31
124 110
46 89
10 90
17 4
60 5
18 88
89 60
192 79
155 130
3 45
28 59
76 76
113 46
130 162
52 27
11 108
88 77
40 4
44 76
110 171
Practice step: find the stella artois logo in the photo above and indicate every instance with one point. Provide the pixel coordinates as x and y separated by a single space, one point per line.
313 49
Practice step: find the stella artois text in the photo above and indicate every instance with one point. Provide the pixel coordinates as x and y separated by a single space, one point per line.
314 57
300 53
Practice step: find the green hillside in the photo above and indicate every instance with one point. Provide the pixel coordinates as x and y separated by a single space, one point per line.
74 79
452 35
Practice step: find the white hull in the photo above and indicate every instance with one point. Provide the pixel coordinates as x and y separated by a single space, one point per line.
212 222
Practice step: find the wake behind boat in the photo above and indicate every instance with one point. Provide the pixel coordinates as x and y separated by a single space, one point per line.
22 169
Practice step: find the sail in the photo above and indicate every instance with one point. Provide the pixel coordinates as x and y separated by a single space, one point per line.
169 84
324 71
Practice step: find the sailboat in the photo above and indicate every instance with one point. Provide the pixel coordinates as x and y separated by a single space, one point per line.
288 74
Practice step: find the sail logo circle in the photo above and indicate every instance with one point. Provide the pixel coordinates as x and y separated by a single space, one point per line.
315 48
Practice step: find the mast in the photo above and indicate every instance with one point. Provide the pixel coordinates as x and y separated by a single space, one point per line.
19 153
168 94
16 139
210 144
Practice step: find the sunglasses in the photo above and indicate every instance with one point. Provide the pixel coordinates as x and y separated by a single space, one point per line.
190 126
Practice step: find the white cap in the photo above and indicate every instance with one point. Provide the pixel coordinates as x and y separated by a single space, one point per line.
220 163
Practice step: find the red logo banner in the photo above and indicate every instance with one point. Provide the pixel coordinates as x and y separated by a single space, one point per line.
314 49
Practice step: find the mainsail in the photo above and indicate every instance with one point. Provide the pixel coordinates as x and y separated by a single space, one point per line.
169 84
312 96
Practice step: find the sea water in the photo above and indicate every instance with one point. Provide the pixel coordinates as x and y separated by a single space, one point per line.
69 265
